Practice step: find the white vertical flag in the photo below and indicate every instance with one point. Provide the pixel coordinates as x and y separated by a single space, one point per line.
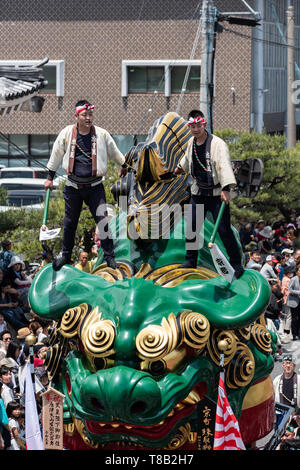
222 265
33 436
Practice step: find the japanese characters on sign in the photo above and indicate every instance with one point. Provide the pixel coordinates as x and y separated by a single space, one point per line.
52 417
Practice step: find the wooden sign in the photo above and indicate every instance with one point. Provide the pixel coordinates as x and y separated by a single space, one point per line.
52 419
206 424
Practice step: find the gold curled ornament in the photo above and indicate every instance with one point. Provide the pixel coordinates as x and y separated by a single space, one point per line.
243 334
71 320
53 358
156 341
240 370
261 338
183 435
97 335
216 336
195 328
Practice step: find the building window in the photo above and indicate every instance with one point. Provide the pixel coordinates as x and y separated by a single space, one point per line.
178 76
41 145
162 76
146 79
50 76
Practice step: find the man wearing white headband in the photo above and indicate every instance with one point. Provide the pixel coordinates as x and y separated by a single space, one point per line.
83 150
207 159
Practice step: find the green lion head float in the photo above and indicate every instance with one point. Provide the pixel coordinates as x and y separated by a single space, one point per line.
136 350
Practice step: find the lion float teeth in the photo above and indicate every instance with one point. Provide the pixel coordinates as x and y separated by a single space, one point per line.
128 427
101 424
171 414
179 406
115 425
192 398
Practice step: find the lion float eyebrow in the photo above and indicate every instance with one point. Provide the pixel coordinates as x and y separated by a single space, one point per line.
116 329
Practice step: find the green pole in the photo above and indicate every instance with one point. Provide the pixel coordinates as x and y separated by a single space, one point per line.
220 215
47 198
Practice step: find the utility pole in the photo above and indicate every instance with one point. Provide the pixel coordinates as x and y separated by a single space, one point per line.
291 107
207 49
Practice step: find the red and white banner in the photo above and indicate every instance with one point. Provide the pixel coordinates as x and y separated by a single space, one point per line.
227 431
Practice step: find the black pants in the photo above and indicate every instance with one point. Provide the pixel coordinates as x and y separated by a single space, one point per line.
295 326
94 197
212 204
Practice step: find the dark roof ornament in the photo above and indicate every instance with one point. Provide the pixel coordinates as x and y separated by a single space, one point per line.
19 85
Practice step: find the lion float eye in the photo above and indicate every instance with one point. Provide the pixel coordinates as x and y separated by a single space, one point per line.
101 363
170 363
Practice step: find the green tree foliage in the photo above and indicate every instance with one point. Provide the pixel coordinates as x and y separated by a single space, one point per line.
279 194
3 195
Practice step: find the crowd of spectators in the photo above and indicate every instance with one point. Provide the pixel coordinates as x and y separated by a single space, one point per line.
16 322
274 251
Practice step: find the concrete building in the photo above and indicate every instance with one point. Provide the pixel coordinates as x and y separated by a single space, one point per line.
129 59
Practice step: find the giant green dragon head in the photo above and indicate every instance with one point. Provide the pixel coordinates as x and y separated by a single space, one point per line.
136 350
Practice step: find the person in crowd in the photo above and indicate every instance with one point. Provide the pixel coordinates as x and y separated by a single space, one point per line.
16 273
247 235
84 264
287 384
5 431
13 411
5 255
3 324
268 268
84 150
279 267
5 339
295 422
265 234
294 258
287 319
296 242
207 159
260 225
265 248
10 308
289 434
293 301
7 393
254 259
44 332
12 355
290 233
274 308
35 328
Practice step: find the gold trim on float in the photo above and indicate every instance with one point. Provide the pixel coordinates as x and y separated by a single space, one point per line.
69 429
157 341
183 435
81 430
258 393
145 268
97 335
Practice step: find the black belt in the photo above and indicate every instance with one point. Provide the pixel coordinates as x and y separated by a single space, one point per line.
84 180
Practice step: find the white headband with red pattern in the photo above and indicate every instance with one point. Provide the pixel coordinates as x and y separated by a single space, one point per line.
197 120
78 109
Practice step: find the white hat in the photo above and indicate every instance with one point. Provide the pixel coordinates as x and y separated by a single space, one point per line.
266 232
15 260
287 250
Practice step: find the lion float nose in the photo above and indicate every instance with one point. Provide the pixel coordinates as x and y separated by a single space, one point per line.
121 394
